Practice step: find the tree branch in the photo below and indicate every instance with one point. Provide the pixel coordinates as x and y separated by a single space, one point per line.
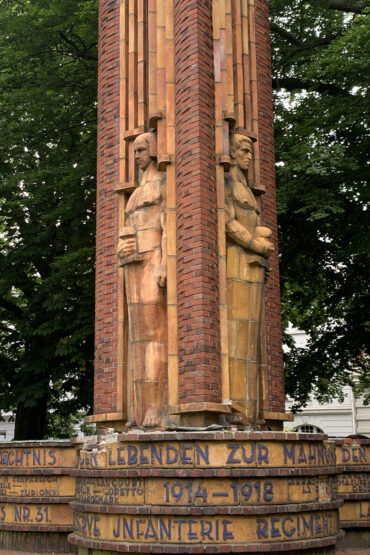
301 45
285 34
294 84
78 51
11 307
352 6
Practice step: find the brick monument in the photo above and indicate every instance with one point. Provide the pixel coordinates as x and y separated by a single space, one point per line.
190 456
194 74
189 390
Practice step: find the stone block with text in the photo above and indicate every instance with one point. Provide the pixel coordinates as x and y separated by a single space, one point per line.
35 491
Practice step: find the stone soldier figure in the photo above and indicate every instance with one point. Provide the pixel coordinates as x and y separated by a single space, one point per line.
248 249
143 252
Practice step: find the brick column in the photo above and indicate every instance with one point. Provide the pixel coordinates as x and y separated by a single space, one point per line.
197 268
275 371
105 384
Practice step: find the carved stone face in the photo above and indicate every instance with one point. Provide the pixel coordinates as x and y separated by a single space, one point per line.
141 152
241 151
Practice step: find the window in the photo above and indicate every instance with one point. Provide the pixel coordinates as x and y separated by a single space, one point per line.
308 429
2 436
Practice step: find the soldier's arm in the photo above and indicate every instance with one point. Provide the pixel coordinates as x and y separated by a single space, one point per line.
240 234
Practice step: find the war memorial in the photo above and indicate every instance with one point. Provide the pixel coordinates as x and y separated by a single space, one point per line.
190 454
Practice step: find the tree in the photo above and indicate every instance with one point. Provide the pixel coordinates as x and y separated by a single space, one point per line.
321 53
48 74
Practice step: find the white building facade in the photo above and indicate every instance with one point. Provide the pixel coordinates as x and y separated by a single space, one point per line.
6 427
336 419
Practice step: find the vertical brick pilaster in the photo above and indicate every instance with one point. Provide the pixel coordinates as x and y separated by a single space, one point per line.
105 385
197 268
275 371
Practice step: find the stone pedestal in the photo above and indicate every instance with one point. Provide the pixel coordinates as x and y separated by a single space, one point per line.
208 492
353 462
35 490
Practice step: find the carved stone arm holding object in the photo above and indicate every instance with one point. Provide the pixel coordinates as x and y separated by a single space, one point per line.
257 243
127 242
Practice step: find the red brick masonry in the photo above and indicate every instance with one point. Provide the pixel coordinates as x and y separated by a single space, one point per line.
197 269
105 389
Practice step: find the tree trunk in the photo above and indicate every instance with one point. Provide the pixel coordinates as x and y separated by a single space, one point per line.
31 422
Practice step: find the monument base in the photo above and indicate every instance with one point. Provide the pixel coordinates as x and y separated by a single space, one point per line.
35 491
207 492
200 414
353 462
314 551
36 542
355 538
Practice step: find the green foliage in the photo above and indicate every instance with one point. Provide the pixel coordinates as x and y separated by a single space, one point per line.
48 74
321 80
65 424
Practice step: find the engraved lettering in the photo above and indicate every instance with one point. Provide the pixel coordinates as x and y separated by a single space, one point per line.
175 455
263 454
110 461
251 458
120 458
143 458
154 454
162 528
206 532
226 534
179 524
150 531
275 532
262 527
191 534
127 528
302 456
202 454
36 457
289 454
184 458
307 525
231 459
289 533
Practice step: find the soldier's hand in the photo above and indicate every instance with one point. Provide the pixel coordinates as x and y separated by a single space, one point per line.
126 247
263 247
162 277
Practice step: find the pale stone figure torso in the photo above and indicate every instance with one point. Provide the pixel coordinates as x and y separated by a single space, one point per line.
142 251
248 248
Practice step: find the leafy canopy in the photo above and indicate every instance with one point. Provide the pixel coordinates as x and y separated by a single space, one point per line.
321 53
48 74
